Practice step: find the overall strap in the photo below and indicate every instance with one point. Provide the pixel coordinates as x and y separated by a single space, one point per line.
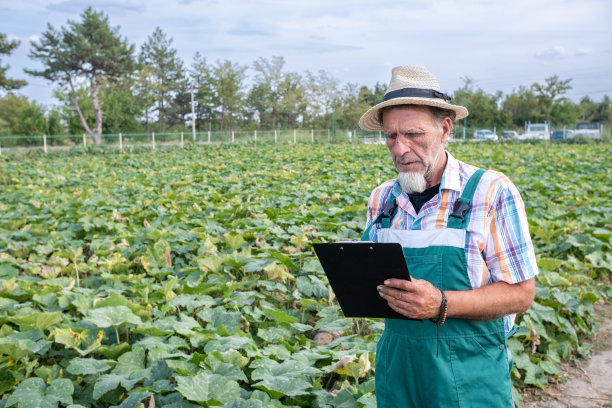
461 210
384 218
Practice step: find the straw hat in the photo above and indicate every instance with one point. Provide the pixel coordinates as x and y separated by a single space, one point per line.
410 85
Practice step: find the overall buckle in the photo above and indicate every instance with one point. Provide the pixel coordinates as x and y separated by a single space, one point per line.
461 208
389 209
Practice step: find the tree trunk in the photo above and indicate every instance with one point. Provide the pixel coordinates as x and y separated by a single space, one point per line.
97 107
75 101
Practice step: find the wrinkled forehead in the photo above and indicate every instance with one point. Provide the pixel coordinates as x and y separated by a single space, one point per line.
418 113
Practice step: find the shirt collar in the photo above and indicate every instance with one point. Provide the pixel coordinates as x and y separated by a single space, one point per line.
451 179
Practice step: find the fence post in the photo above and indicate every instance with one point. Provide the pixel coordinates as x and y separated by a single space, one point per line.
182 140
84 140
232 136
153 139
275 136
45 143
120 142
294 136
255 135
209 137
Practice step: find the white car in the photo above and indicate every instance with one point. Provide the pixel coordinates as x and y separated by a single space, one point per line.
587 129
509 134
485 134
536 131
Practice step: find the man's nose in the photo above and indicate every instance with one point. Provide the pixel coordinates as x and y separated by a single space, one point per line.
400 146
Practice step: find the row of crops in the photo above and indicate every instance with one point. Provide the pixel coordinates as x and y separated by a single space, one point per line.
183 278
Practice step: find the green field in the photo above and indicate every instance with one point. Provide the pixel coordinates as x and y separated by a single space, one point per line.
188 276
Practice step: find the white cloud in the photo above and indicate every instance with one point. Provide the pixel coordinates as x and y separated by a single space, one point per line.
582 52
552 53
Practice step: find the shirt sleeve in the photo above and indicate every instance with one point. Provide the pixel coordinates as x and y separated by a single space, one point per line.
370 215
508 250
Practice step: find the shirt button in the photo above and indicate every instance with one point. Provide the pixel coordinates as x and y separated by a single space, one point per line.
501 346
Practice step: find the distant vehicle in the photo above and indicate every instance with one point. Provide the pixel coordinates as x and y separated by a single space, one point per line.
485 134
509 134
588 129
536 131
562 134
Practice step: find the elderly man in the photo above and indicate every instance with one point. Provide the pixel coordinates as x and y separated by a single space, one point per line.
466 243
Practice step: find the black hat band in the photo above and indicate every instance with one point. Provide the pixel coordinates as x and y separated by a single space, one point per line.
415 92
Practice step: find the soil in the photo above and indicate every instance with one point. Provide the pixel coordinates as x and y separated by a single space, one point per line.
582 383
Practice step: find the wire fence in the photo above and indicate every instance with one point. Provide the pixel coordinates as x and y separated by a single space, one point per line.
157 140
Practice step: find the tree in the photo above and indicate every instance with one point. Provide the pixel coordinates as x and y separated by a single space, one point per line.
165 69
483 107
549 95
89 51
121 108
32 121
596 112
180 106
204 98
321 91
228 84
10 110
520 106
6 47
276 96
145 93
565 113
54 123
73 118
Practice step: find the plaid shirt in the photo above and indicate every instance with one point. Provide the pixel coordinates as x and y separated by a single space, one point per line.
499 247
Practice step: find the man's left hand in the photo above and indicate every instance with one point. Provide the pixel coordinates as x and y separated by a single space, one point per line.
416 299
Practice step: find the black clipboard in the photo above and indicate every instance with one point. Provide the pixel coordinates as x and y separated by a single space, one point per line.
355 268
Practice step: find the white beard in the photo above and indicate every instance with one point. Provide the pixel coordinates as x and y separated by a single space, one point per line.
412 182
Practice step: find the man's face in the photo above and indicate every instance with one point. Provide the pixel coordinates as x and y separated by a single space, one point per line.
415 143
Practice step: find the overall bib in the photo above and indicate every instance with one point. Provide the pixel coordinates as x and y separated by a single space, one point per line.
465 364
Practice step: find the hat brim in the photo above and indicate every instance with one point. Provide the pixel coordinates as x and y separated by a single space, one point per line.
369 120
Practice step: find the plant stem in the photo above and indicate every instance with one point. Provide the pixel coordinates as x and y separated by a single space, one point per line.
117 334
76 272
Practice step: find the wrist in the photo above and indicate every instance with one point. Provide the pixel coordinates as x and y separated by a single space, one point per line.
443 310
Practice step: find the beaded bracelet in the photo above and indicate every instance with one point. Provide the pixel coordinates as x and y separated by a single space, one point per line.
443 311
440 320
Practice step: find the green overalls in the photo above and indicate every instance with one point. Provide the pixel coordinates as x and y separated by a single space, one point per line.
471 366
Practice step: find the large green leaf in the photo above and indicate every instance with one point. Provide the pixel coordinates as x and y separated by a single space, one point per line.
205 387
86 366
112 316
290 378
33 392
109 382
84 341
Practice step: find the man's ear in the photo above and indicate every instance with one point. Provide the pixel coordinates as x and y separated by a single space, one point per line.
447 125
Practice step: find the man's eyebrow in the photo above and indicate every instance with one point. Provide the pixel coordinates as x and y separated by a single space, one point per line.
407 132
410 132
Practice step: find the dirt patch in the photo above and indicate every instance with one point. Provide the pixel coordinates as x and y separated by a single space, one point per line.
583 383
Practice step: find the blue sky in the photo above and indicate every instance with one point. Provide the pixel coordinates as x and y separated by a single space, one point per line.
500 45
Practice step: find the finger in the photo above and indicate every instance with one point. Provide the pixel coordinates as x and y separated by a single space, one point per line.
395 293
399 284
405 309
